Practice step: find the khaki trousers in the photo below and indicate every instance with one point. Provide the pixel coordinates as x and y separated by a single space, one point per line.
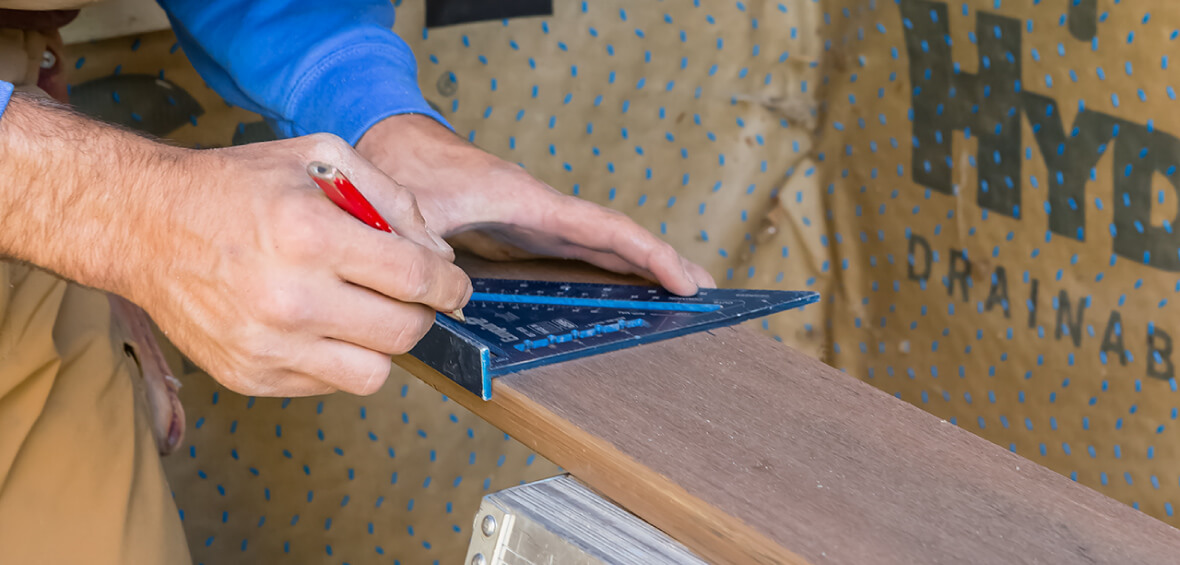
80 474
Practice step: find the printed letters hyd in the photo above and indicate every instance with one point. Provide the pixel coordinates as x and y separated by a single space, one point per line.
990 104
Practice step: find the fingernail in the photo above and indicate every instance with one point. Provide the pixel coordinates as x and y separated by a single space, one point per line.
684 269
706 281
707 284
439 241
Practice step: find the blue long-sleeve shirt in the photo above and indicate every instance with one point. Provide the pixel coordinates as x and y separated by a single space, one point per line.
323 66
5 95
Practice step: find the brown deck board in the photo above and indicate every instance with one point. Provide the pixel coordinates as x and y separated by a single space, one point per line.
750 452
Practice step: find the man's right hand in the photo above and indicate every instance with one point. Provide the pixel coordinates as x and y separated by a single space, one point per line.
240 259
274 290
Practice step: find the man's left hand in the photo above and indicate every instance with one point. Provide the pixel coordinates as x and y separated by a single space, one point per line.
497 210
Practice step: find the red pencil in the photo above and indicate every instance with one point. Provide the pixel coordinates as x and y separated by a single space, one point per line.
344 194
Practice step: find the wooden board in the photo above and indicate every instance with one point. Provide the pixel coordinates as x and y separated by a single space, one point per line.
749 452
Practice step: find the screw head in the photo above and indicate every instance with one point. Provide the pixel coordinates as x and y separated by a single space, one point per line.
479 559
447 84
488 526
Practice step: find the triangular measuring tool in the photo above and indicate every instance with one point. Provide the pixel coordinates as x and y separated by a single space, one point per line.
514 325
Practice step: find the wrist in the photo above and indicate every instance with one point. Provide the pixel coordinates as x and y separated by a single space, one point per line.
458 185
408 147
154 181
77 196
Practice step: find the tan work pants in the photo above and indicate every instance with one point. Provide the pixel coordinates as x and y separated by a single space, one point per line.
80 475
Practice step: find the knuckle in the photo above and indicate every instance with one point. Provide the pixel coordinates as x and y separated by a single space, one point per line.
283 307
259 354
415 271
375 377
247 383
403 199
590 207
616 214
277 383
409 329
404 194
329 145
460 290
665 252
254 366
664 256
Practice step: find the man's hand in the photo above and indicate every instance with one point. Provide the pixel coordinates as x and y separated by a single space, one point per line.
235 253
274 290
499 211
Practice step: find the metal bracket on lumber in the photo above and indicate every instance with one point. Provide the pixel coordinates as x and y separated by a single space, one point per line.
560 520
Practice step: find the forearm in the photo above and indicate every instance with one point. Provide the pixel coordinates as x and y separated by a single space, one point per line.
226 248
74 191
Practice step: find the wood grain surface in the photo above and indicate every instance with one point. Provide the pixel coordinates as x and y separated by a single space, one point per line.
749 452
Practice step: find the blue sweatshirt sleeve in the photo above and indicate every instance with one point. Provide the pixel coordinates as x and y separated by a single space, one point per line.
5 95
324 66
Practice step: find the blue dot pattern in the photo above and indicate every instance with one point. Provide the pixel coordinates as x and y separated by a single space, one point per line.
391 478
1001 182
983 190
394 476
689 117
